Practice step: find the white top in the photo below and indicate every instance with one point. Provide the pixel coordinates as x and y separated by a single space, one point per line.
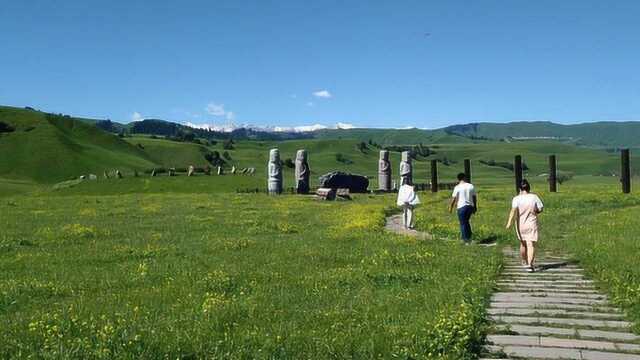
465 193
527 201
407 195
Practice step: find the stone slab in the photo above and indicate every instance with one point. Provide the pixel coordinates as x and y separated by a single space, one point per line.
543 289
532 305
554 312
619 324
547 299
534 352
528 340
552 294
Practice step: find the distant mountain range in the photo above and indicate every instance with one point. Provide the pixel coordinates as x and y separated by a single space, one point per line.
605 134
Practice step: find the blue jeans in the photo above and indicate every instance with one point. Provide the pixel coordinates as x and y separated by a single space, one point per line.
464 215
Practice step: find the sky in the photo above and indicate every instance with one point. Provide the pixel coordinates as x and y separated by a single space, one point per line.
424 64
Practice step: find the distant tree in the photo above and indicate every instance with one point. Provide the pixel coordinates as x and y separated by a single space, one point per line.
564 176
214 158
362 146
343 159
228 144
289 163
226 155
6 128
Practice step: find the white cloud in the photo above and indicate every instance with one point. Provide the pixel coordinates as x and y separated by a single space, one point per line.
136 116
325 94
303 128
310 104
215 109
213 127
344 126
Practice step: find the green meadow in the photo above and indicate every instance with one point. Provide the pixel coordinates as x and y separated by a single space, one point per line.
187 267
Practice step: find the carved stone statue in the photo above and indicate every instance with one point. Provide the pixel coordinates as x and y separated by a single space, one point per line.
384 171
406 170
302 172
274 170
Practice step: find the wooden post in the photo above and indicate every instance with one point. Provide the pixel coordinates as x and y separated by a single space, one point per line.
517 169
553 175
434 176
625 173
467 169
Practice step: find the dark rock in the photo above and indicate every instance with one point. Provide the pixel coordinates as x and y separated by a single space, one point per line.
342 180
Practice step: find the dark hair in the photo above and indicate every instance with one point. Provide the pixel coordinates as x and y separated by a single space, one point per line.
525 186
462 176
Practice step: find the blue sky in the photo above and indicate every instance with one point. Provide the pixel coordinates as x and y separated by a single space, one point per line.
369 63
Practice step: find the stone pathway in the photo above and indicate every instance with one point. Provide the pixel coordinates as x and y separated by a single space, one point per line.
394 224
555 313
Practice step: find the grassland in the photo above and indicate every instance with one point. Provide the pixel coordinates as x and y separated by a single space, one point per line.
183 267
233 276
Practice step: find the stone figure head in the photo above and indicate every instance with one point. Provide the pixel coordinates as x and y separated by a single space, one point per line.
406 157
384 155
274 155
301 155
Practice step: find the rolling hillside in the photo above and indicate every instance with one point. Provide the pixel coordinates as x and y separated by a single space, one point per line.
49 148
597 134
42 148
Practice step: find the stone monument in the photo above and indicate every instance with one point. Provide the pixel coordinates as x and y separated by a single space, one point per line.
406 171
384 171
274 171
302 172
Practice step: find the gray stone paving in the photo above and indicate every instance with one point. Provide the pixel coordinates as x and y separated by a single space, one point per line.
555 313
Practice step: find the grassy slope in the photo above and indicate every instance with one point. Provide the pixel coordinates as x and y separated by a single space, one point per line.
230 276
581 161
604 134
392 136
58 148
590 219
63 148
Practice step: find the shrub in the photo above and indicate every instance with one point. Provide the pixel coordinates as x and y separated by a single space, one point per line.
363 147
6 128
564 176
289 163
343 159
228 144
226 155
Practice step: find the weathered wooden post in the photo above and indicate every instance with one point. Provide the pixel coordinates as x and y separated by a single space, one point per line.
467 169
553 176
625 173
517 169
434 176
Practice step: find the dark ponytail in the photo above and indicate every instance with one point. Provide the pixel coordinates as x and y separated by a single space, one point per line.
525 186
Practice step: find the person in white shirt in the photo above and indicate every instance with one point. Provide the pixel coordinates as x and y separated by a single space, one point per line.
526 207
464 198
407 200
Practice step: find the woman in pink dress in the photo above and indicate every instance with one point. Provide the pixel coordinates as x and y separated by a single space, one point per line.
526 207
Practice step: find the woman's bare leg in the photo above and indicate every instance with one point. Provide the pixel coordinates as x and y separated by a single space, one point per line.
523 253
405 216
531 252
410 217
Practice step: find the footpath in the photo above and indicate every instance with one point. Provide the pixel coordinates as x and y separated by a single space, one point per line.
553 313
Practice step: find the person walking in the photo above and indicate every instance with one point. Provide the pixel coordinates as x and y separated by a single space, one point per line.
526 207
407 200
464 198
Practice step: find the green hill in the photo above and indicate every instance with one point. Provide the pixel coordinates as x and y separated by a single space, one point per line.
386 137
49 148
599 134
